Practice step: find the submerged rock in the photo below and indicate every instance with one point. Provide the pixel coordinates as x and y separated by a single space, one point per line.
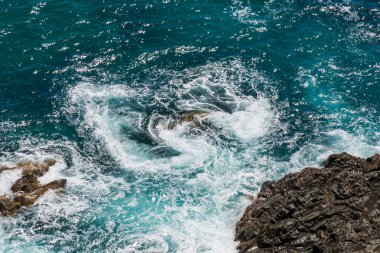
28 189
334 209
192 117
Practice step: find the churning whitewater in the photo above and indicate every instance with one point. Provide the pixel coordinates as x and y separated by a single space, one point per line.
165 117
191 173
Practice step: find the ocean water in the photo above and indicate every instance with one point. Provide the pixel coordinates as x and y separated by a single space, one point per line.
95 85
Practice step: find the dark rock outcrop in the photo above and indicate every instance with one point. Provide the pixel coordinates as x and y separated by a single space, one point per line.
28 189
334 209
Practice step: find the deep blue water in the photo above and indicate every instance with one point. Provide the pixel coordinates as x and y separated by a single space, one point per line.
95 84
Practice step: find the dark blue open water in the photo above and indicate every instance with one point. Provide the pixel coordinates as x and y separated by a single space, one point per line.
95 84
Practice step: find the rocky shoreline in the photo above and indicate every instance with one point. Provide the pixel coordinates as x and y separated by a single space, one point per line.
333 209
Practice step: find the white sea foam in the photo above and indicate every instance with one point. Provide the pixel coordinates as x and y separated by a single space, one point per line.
84 185
341 10
187 202
211 201
244 14
7 179
194 151
248 119
336 141
252 121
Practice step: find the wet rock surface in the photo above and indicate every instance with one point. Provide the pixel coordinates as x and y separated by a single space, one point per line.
192 117
333 209
28 189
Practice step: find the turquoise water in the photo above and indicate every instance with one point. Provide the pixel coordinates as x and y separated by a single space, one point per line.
95 85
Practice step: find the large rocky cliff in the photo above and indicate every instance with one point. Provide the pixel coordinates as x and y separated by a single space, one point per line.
333 209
